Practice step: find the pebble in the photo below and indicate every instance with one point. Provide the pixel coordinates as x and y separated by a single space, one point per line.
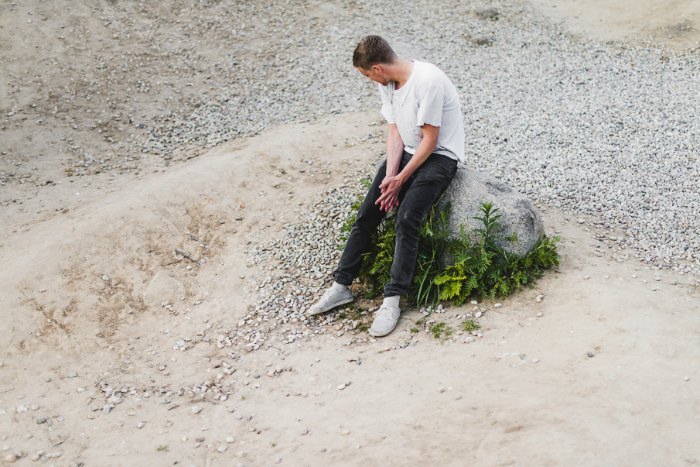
196 409
222 448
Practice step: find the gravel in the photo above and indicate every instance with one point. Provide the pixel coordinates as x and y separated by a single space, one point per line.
600 130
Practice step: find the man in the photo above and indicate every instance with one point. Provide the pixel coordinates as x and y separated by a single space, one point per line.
424 143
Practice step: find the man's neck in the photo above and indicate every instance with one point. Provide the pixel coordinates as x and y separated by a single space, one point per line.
401 72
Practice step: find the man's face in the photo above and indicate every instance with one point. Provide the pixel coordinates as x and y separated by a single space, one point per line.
376 74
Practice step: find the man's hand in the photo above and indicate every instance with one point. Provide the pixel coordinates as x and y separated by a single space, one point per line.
390 188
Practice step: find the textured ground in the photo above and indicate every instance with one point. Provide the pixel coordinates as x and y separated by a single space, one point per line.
134 254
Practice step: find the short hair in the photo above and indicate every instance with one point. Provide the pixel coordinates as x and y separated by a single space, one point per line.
372 50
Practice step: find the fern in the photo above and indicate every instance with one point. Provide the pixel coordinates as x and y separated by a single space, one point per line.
474 268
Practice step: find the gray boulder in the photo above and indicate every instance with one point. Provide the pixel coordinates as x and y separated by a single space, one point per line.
470 189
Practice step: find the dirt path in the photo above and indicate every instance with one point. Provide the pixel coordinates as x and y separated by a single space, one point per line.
95 310
674 23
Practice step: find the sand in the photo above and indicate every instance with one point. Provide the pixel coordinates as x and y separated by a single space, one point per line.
605 370
672 23
525 393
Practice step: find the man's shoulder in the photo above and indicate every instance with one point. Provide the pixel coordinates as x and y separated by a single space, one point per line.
430 74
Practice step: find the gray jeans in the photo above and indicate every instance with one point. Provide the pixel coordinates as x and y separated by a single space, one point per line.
416 198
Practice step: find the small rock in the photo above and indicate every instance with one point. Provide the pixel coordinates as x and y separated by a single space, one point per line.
498 305
484 40
590 354
40 420
222 448
488 13
140 425
196 409
539 314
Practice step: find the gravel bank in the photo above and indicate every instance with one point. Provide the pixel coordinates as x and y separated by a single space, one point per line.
597 129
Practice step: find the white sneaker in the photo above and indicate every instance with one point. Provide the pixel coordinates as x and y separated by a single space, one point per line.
331 298
385 320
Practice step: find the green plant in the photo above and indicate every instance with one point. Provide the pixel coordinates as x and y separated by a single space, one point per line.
440 329
457 268
469 325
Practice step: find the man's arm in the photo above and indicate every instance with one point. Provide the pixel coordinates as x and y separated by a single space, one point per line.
394 150
394 153
391 186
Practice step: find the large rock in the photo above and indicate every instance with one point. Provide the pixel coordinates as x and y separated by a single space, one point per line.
470 189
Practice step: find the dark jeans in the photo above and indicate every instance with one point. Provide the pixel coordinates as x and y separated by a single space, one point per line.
416 198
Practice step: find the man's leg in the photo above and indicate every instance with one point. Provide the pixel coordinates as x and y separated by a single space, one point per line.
368 218
420 193
423 191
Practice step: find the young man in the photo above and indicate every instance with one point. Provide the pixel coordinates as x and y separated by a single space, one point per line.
424 143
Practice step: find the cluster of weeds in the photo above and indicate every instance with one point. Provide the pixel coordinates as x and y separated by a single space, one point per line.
440 329
469 325
455 269
354 313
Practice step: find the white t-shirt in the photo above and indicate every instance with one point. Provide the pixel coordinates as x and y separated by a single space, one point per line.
427 97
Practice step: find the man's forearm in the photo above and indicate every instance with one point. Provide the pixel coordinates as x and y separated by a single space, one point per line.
394 151
424 149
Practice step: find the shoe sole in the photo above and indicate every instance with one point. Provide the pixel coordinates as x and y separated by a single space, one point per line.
329 308
381 335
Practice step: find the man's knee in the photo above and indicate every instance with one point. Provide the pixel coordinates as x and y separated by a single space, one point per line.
407 221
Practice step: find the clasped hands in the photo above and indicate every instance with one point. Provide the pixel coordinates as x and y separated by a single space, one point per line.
390 189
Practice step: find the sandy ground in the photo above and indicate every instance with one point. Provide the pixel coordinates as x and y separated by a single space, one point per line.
673 23
604 371
87 294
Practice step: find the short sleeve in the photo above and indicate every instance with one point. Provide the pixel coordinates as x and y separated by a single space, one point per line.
387 109
430 106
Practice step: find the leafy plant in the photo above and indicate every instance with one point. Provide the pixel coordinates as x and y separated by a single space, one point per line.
456 268
469 325
440 329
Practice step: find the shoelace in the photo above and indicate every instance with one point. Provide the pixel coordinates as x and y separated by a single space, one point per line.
385 312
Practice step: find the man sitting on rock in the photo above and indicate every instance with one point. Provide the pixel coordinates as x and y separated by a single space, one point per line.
424 143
